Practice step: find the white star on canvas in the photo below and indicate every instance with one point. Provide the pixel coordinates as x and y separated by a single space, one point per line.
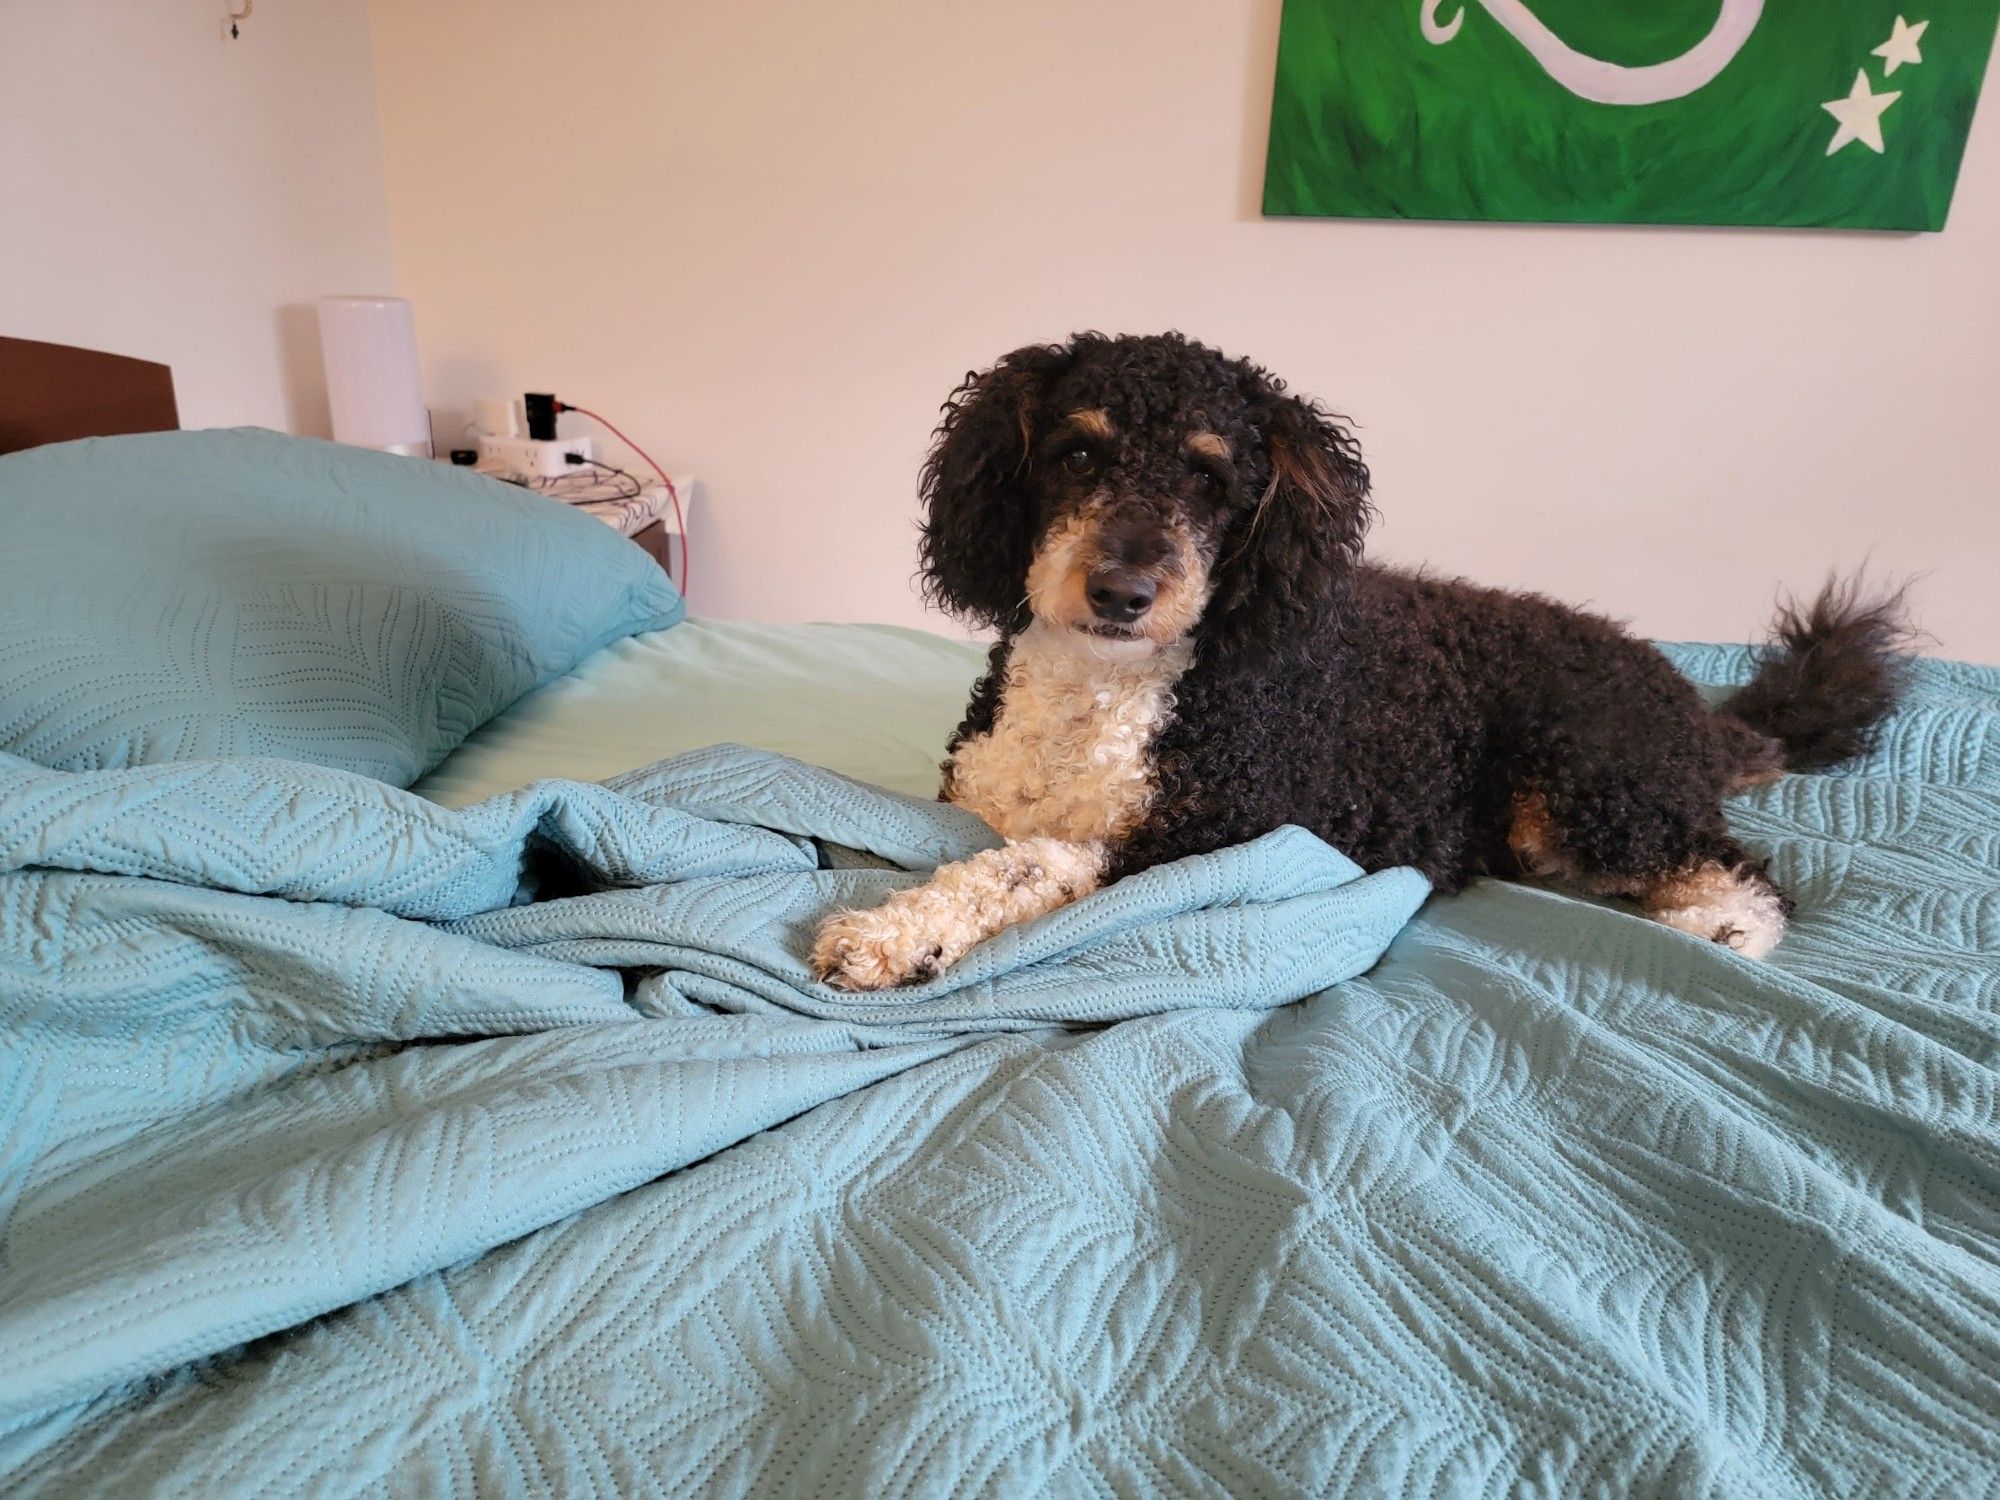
1860 115
1902 46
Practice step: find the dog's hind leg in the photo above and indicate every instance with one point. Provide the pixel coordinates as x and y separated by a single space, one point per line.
918 932
1728 901
1710 889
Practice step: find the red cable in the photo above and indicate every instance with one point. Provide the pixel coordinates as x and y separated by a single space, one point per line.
680 520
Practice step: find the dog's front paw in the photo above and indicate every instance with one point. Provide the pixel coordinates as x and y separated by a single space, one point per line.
874 950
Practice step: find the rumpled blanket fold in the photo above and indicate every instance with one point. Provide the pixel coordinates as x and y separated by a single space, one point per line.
280 1038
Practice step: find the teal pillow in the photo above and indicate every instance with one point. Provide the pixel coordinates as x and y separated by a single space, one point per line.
186 595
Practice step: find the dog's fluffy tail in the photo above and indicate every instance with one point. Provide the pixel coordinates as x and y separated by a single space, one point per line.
1834 670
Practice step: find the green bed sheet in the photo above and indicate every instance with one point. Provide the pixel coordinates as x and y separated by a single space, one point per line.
874 702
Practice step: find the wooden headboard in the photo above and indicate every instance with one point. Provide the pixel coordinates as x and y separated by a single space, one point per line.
50 393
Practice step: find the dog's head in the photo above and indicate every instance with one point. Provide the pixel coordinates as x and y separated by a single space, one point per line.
1141 491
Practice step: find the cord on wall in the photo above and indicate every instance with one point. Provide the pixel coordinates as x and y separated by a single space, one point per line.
232 27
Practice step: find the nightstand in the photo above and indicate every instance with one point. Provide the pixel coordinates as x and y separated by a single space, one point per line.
647 518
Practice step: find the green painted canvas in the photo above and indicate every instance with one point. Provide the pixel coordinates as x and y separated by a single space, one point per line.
1832 113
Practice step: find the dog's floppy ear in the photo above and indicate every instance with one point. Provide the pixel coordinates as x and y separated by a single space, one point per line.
979 523
1286 561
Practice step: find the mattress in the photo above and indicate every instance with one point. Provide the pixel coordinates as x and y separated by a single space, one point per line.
875 702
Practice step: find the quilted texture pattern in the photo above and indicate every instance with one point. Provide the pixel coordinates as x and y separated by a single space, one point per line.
1550 1200
185 595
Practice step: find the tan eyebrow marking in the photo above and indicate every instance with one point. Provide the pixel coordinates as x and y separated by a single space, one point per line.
1092 422
1209 445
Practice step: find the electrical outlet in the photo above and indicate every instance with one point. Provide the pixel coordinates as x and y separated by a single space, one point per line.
531 458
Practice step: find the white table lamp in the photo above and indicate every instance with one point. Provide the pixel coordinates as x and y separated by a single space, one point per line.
369 347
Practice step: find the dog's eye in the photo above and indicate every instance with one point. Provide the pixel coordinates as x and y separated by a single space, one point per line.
1079 460
1206 482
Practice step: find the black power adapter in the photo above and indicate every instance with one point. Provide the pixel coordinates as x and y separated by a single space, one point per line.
541 417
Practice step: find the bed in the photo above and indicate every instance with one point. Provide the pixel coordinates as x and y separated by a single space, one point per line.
491 1136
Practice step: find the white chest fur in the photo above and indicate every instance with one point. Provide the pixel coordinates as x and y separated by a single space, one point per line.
1068 754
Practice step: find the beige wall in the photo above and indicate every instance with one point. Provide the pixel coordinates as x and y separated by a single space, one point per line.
169 194
768 236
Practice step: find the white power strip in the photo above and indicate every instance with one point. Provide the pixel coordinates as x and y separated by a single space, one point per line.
532 458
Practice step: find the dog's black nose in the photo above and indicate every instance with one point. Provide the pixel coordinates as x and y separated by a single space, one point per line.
1118 596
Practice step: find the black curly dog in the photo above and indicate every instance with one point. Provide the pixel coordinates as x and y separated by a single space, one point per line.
1191 654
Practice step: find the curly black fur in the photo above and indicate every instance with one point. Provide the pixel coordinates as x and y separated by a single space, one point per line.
1400 717
1836 670
982 535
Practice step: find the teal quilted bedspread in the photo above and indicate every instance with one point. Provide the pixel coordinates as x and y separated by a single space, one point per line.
350 1145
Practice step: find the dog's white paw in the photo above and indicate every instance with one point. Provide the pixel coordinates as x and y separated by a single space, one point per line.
919 932
874 950
1751 928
